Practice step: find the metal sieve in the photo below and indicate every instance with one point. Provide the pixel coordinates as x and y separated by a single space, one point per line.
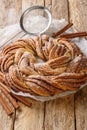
35 20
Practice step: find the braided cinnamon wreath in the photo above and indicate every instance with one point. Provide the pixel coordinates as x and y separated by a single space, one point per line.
43 66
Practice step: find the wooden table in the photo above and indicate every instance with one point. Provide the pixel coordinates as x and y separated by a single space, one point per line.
67 113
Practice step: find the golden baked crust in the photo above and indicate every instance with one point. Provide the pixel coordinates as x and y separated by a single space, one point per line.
43 66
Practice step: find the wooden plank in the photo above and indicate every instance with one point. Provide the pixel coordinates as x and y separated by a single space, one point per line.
78 14
27 3
30 118
60 114
81 109
10 12
6 122
60 9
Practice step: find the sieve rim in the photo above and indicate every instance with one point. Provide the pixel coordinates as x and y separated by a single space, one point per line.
34 8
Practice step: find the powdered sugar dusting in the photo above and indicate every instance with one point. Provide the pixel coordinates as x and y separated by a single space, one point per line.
82 43
36 24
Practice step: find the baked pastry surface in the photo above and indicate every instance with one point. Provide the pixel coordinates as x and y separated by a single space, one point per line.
43 66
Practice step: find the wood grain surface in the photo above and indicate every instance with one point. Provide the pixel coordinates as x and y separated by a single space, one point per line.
81 109
59 114
30 118
78 14
67 113
10 12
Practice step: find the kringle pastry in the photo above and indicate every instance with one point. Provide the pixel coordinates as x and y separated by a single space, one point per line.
43 66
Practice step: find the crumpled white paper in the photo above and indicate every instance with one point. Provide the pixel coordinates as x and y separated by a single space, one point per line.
54 27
